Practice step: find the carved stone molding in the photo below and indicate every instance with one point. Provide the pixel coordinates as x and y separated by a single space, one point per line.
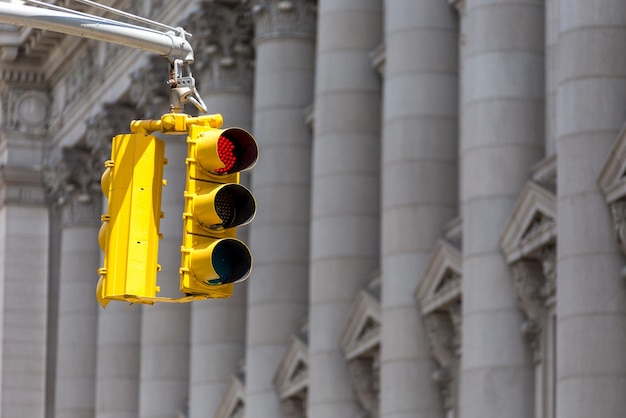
363 327
459 5
440 285
291 380
232 404
378 58
22 186
364 374
274 18
443 334
148 91
612 181
295 406
222 42
547 256
360 342
529 282
24 110
73 183
112 120
618 211
440 299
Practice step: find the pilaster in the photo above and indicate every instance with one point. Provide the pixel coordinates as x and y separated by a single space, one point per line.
24 245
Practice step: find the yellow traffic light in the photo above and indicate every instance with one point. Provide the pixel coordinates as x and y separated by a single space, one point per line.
129 236
215 205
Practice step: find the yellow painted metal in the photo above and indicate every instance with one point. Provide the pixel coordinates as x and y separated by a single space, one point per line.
212 259
130 235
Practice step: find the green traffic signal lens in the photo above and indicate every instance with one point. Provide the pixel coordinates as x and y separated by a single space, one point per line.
231 260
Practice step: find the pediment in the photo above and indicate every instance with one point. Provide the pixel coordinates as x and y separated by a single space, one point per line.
362 330
232 404
612 179
292 375
441 282
531 224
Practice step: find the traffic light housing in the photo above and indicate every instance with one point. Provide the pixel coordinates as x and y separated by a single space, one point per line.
212 258
129 236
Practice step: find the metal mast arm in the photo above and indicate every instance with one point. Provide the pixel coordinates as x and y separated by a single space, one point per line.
171 45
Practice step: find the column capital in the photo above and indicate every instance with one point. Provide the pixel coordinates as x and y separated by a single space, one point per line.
150 103
72 181
222 44
283 18
113 119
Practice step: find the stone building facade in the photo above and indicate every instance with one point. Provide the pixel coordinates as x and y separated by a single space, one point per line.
441 223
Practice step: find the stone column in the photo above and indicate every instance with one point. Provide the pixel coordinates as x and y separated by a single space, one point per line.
224 70
117 367
164 371
419 189
591 297
80 196
502 131
279 236
24 246
345 196
551 38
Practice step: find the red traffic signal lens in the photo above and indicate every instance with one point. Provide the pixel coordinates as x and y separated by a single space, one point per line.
226 153
237 150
